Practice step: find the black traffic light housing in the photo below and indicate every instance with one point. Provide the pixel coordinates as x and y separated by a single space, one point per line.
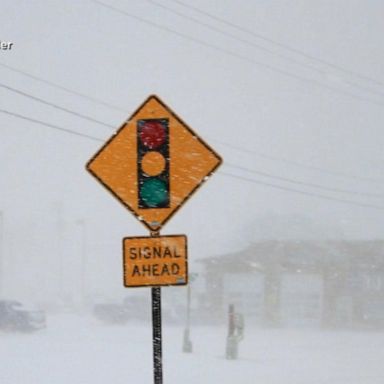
153 189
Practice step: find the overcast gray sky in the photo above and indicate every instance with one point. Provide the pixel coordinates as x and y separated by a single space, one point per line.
256 97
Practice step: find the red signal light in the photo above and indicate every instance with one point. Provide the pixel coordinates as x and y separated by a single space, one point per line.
152 134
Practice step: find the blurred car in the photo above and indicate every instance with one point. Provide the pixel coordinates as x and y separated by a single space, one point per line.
138 307
111 313
14 316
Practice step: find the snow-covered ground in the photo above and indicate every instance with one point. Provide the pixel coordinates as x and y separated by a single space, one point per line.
80 350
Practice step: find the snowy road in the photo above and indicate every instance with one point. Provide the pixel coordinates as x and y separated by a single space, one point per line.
79 350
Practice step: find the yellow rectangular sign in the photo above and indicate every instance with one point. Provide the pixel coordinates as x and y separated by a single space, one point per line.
155 261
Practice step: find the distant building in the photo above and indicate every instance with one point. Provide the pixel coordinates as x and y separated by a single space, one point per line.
306 283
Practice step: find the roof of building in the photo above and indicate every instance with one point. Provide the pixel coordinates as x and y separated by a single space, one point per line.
303 254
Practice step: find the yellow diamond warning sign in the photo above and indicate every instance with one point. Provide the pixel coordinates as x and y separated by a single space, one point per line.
154 163
155 261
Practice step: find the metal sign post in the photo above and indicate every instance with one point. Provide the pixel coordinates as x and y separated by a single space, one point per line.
152 165
157 341
156 336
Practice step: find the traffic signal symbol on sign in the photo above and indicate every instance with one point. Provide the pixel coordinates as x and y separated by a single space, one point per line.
154 163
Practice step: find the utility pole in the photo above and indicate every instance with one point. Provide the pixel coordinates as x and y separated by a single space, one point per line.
59 250
187 343
83 245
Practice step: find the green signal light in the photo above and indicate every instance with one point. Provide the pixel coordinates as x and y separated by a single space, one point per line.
154 192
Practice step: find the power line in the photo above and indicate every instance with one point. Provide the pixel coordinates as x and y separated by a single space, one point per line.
350 202
233 54
220 142
225 33
55 85
297 164
231 165
282 45
226 144
260 47
52 126
28 95
312 185
49 125
117 108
